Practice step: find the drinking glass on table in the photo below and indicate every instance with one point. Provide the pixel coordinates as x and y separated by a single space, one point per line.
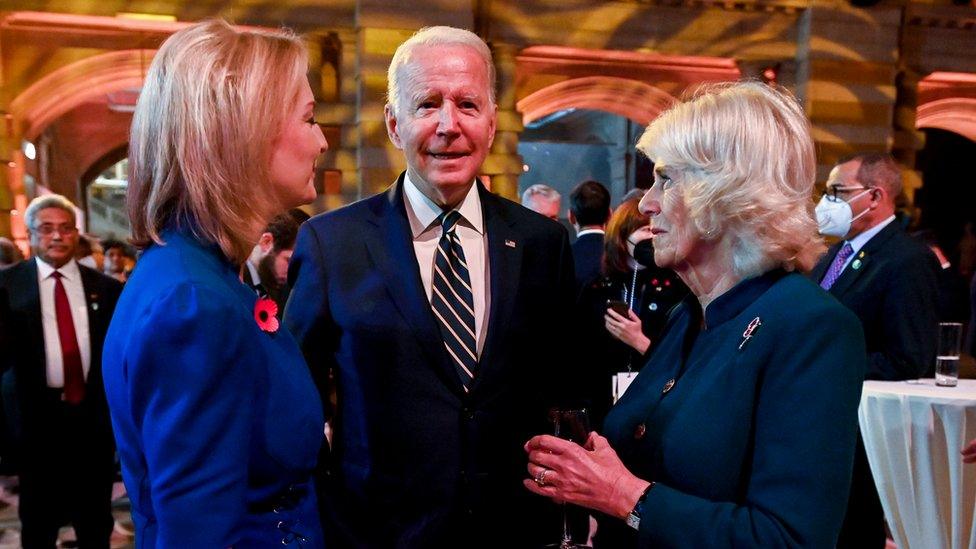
947 356
571 424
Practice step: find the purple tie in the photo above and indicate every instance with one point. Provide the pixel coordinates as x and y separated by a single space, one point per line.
833 273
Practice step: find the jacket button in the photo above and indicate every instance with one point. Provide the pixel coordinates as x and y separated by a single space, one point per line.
639 431
468 413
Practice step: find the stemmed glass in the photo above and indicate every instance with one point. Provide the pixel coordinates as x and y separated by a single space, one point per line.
572 424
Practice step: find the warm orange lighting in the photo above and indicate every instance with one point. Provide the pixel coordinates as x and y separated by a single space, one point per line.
146 17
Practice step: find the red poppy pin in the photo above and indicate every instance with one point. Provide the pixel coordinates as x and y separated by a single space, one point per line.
265 310
750 329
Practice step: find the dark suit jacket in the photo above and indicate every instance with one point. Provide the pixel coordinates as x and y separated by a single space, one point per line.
895 294
25 392
752 447
417 462
587 256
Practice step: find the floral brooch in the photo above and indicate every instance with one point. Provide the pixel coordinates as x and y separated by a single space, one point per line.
265 310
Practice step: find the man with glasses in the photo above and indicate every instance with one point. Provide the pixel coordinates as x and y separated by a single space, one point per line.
57 313
890 281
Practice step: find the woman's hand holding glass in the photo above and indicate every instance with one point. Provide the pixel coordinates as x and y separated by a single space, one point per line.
627 329
591 475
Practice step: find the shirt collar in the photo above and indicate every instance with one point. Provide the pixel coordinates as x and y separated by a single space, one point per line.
860 240
590 231
423 212
728 305
69 270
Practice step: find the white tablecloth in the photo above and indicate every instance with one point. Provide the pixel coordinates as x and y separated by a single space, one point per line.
913 432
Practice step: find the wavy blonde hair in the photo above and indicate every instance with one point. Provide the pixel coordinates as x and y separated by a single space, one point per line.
744 160
214 101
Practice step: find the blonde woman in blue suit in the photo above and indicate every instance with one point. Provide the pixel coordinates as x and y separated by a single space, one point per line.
217 420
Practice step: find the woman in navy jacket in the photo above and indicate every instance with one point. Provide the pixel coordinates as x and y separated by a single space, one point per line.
217 420
739 432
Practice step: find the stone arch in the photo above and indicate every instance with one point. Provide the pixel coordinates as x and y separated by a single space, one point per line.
947 101
635 100
957 115
72 85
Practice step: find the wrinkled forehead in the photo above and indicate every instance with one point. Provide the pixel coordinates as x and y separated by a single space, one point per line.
456 66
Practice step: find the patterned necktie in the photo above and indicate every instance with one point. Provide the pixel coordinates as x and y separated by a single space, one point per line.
74 374
833 273
453 302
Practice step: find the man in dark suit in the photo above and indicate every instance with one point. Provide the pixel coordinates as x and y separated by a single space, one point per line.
589 210
428 304
889 280
57 313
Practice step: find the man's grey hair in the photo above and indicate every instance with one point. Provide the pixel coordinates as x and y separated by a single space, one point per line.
539 191
47 201
434 36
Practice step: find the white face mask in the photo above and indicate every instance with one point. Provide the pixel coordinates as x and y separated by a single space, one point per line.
835 218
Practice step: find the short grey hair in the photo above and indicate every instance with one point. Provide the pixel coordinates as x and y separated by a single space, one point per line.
877 169
47 201
542 192
744 160
429 37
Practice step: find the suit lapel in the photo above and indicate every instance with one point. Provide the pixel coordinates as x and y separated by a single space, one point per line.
862 260
391 249
505 262
94 301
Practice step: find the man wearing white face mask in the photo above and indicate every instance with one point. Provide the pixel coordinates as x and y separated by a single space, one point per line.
890 281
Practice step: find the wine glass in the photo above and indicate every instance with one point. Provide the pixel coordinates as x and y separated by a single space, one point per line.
572 424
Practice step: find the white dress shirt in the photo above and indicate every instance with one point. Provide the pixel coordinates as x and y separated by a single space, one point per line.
470 229
71 279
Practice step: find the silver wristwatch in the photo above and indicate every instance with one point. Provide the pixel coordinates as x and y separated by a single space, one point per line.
634 518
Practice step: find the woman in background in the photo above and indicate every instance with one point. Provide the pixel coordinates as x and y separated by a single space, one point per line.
217 419
624 312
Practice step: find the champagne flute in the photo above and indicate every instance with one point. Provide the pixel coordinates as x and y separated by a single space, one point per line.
572 424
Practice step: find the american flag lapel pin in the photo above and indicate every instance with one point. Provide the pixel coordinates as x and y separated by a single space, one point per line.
510 243
750 329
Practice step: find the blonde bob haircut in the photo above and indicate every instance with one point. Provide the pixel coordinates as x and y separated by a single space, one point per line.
399 77
213 105
743 158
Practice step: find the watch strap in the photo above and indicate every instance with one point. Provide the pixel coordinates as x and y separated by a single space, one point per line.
634 518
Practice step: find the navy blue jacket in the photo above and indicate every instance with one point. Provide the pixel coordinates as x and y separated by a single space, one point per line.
588 258
218 423
894 292
416 461
753 444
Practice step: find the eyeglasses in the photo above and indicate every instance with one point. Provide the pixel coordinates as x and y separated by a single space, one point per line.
834 193
47 229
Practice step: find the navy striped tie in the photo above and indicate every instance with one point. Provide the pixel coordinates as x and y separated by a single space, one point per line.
453 302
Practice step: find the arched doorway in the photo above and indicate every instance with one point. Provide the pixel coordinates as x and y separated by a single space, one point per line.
947 115
584 109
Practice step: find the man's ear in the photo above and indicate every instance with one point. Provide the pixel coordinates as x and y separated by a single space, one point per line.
878 196
572 218
391 126
266 242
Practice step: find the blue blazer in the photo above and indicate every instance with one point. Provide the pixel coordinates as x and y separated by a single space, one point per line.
753 444
588 258
416 461
217 423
